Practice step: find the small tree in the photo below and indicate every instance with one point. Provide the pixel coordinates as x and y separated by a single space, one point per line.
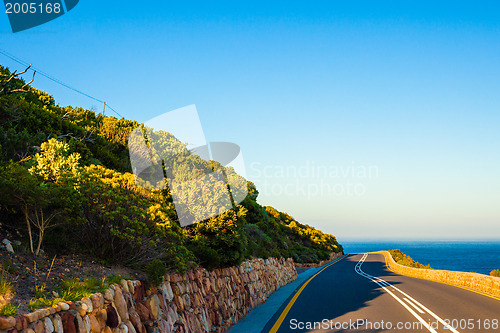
46 203
58 171
39 202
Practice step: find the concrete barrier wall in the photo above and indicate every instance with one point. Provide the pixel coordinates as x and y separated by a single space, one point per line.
199 301
479 282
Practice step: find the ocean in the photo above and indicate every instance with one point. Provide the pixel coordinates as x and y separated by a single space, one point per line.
466 256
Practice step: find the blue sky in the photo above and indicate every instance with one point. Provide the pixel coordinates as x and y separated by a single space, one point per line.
408 90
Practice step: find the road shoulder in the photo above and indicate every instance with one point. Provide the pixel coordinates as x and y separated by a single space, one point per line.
256 320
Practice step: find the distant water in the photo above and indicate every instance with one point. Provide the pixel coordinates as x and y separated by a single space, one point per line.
465 256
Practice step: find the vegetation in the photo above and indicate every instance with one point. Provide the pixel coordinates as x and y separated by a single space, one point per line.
405 260
495 272
5 286
9 310
71 290
7 267
66 186
74 289
156 270
43 302
116 279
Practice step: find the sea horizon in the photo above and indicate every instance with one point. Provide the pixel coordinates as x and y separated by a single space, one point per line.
415 239
466 255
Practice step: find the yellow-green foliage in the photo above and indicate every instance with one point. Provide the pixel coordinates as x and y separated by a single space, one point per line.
405 260
74 289
9 310
5 286
55 161
44 302
495 272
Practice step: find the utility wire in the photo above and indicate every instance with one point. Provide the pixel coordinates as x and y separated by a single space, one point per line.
109 107
50 77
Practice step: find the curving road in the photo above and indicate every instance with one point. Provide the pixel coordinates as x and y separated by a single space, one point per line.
359 294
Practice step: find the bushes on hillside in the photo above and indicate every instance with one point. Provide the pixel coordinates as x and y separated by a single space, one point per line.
220 241
495 272
72 166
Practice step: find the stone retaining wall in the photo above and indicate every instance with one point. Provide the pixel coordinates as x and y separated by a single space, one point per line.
199 301
480 282
333 256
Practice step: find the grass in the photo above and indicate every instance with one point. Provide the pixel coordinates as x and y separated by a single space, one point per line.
40 291
36 303
5 286
74 289
9 310
43 302
68 290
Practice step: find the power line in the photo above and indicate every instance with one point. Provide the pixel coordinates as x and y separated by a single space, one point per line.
50 77
109 107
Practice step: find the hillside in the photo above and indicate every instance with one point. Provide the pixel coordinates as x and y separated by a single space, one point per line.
66 188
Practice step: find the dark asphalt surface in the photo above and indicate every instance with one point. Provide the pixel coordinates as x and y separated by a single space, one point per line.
339 298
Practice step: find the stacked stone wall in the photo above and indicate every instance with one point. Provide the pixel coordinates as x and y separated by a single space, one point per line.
198 301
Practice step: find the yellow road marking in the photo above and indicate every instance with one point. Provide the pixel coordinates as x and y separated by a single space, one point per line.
449 284
283 315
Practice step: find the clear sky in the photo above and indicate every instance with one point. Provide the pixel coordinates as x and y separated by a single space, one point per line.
363 118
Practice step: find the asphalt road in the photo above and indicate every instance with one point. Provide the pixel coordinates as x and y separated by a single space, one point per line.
359 294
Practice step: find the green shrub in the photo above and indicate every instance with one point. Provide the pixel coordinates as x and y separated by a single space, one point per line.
495 272
259 243
116 279
155 271
208 258
308 257
180 258
115 223
221 240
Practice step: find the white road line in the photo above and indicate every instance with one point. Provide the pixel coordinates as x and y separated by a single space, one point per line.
420 319
429 311
446 326
413 305
383 284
